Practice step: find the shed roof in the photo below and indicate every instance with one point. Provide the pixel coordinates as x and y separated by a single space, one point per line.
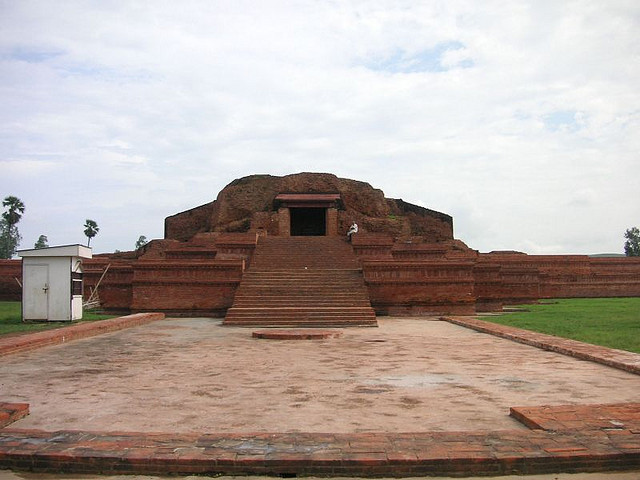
75 250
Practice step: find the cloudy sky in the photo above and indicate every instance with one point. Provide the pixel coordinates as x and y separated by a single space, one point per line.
521 119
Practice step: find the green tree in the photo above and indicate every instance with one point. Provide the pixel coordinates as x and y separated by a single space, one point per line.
9 234
632 244
142 241
16 209
9 239
43 242
91 229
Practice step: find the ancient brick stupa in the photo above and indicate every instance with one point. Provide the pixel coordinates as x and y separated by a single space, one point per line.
272 251
302 271
308 204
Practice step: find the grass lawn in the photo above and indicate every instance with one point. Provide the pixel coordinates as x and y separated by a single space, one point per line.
11 320
610 322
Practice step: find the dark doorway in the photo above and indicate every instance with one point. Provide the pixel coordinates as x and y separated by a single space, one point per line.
308 221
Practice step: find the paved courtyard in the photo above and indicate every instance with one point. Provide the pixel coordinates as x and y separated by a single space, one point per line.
416 396
193 375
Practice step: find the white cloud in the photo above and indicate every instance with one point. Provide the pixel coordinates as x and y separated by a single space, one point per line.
511 117
25 167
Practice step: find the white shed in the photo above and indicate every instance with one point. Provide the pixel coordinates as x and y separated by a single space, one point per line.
52 283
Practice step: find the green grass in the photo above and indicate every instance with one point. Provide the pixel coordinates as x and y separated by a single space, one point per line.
11 320
610 322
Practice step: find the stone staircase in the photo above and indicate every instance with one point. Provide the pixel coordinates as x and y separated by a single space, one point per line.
302 282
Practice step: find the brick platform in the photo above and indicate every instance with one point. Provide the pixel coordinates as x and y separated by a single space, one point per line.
32 341
296 334
620 417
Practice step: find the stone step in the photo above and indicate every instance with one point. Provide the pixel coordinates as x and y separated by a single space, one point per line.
317 291
285 272
299 290
330 284
297 324
302 282
260 292
291 277
299 303
306 311
317 252
266 315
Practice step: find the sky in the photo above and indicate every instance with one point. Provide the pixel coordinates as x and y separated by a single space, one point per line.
520 119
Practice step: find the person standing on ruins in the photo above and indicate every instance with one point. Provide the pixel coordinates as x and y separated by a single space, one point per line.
352 229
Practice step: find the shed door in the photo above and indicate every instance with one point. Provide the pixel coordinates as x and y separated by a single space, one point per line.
36 294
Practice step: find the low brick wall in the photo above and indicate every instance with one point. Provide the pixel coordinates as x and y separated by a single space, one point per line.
193 288
200 277
456 454
519 278
611 357
420 287
32 341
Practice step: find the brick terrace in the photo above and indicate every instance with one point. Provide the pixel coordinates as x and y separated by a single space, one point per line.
560 438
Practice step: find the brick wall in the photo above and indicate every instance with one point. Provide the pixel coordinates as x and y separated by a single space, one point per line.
10 290
184 225
420 287
194 288
115 289
519 278
403 278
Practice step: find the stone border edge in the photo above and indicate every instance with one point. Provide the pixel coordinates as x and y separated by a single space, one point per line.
620 359
33 341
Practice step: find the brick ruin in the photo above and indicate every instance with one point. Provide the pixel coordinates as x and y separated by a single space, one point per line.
405 257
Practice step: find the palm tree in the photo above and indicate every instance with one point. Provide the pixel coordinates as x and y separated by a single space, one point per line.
9 234
16 209
90 230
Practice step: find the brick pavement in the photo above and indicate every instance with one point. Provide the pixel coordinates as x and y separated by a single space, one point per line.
566 438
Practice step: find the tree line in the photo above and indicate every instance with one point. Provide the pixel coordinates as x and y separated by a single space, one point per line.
10 237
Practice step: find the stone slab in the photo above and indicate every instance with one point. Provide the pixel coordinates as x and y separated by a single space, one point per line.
296 334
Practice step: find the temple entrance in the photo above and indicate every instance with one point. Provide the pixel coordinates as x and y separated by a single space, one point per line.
308 221
307 214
